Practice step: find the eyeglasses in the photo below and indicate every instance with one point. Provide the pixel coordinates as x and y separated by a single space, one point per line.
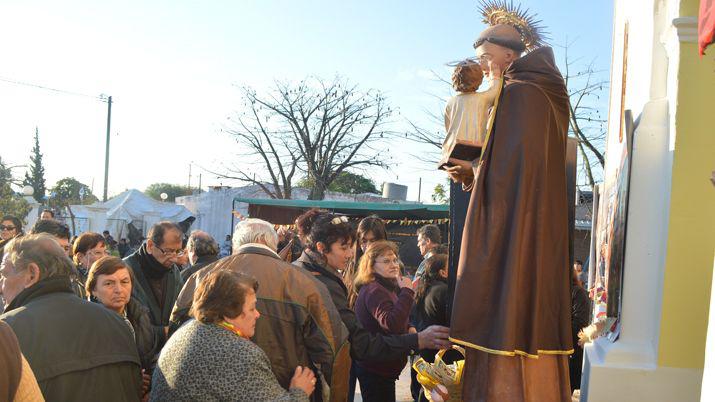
8 228
178 253
395 261
339 219
98 253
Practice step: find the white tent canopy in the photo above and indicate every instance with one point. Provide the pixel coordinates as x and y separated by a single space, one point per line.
135 205
130 207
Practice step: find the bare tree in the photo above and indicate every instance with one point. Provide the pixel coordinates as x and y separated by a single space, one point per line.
266 145
585 121
433 136
318 127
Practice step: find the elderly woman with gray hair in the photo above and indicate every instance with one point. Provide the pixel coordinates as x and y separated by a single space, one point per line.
212 357
300 325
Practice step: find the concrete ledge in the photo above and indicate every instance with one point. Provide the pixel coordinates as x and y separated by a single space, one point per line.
613 382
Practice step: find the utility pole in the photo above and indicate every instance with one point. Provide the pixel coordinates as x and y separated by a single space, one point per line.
199 182
419 191
106 152
189 185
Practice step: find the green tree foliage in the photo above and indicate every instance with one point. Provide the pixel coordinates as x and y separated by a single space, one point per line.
36 176
345 182
172 191
440 194
10 202
69 191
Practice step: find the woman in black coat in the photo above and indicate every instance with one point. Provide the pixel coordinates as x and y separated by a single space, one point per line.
329 239
580 316
109 282
430 308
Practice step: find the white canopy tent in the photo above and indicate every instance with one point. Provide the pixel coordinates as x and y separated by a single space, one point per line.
130 207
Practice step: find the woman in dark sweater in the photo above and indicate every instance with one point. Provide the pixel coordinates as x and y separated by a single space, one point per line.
369 230
580 316
431 299
430 309
328 239
383 306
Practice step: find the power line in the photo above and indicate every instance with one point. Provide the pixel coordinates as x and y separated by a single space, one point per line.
27 84
102 98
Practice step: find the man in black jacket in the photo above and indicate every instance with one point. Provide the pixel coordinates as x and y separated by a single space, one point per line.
157 280
78 351
202 249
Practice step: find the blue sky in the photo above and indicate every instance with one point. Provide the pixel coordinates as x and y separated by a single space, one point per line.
171 67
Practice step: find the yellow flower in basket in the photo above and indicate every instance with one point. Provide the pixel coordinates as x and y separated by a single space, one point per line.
429 375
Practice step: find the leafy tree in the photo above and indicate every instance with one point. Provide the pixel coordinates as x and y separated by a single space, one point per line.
172 190
36 176
439 194
10 202
345 182
69 191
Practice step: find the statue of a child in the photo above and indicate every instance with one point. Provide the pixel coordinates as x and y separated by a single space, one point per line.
467 112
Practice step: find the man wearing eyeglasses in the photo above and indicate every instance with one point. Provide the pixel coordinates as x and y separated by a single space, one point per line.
157 279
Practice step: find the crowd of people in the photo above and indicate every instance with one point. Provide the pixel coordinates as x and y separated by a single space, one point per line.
294 316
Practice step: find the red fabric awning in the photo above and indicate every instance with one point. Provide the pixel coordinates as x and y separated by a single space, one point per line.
706 24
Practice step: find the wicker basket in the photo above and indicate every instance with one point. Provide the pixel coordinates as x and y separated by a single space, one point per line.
430 375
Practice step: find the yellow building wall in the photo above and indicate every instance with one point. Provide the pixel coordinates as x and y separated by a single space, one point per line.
689 7
691 231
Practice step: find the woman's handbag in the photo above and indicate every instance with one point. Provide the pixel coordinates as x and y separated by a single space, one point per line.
429 375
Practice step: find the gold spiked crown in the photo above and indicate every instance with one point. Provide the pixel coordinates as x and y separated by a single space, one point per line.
496 12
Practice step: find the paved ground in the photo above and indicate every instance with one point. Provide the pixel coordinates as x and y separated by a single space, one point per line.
402 387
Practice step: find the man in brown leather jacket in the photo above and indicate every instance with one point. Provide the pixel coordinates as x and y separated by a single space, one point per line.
299 324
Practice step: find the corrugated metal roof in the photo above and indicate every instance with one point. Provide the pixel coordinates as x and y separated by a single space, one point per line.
385 210
385 206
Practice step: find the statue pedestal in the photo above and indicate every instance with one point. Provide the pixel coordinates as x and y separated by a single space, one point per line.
458 204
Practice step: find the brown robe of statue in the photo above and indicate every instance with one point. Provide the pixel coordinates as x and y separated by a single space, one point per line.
512 301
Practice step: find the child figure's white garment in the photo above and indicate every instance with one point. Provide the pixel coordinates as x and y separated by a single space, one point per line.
466 115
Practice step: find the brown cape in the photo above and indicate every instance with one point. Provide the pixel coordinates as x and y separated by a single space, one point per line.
512 294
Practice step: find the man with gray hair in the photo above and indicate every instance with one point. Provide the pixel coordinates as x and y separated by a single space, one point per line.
300 325
202 249
78 350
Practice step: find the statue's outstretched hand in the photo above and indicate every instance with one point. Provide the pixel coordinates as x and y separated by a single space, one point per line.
460 171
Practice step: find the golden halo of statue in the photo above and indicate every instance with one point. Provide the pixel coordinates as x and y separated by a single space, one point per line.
503 12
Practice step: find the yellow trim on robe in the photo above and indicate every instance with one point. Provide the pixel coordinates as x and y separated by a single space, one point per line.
514 353
492 117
